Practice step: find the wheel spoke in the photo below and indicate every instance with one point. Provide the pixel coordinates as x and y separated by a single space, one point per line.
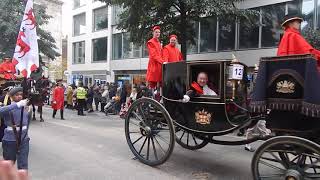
159 145
278 159
188 139
182 135
131 122
271 166
144 142
139 118
137 140
140 110
312 164
164 140
148 148
154 149
194 139
285 159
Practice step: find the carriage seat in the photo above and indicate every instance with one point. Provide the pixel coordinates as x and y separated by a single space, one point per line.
289 84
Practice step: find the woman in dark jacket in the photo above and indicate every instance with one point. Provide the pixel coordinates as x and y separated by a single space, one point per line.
123 95
90 99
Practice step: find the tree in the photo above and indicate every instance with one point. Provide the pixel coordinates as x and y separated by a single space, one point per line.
312 36
11 16
174 16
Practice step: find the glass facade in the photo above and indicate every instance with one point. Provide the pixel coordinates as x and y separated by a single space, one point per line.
208 34
78 3
99 49
272 16
100 18
78 52
79 24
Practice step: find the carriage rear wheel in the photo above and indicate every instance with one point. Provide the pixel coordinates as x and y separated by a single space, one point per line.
149 131
189 140
287 158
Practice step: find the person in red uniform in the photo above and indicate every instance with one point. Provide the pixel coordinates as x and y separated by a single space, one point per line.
7 69
292 41
170 52
58 100
154 71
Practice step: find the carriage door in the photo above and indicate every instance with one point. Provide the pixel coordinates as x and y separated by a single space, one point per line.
174 78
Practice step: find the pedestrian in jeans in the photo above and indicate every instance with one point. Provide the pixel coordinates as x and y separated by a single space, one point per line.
15 145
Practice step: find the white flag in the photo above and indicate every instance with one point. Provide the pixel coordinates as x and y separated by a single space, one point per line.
26 54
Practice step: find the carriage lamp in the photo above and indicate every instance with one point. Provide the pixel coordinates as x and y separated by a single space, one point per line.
235 74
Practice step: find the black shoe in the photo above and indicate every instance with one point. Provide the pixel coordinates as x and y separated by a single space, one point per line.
63 119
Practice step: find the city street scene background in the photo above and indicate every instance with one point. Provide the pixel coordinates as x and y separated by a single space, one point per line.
94 70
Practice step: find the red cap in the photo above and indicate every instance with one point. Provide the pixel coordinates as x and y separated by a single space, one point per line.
173 36
155 28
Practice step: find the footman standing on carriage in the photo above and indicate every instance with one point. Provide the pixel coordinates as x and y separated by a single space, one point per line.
154 71
292 41
170 52
15 145
58 100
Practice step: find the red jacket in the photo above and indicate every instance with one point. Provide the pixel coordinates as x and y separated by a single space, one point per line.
8 70
292 42
58 98
154 71
171 54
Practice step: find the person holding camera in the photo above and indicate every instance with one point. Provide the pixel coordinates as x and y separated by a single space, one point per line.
15 142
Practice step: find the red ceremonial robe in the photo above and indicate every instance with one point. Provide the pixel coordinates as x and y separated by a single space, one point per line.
58 98
292 42
8 70
171 54
154 71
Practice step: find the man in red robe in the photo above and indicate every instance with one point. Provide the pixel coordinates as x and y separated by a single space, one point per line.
58 100
7 69
154 71
170 52
292 41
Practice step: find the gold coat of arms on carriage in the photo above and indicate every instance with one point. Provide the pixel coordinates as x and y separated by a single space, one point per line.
285 87
203 117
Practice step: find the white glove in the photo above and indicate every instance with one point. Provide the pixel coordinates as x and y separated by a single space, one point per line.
22 103
186 99
54 102
155 92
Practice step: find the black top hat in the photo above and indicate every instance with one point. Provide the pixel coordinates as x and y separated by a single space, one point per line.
291 17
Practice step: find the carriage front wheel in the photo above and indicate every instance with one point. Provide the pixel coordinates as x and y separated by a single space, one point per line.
287 158
149 131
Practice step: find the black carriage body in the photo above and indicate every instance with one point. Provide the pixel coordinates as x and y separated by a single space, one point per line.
289 88
205 114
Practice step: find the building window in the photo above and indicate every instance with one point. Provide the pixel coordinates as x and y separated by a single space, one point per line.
117 46
78 3
208 31
272 17
130 50
78 52
249 32
100 49
79 24
116 12
307 11
192 47
100 18
227 34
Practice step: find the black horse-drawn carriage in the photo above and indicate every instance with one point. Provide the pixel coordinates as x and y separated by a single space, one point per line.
286 95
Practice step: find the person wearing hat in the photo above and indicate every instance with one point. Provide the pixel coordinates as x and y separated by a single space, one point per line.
58 100
170 52
154 71
15 142
292 41
7 68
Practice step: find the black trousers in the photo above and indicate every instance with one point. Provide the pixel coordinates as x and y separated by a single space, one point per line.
55 112
102 106
81 105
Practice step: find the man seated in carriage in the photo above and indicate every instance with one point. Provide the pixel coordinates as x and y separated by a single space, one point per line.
199 88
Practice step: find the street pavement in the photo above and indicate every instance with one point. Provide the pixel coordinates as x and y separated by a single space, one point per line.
94 147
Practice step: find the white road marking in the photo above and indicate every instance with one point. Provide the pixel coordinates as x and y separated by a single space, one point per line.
65 125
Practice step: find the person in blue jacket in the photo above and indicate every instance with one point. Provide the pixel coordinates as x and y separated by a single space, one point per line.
15 145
